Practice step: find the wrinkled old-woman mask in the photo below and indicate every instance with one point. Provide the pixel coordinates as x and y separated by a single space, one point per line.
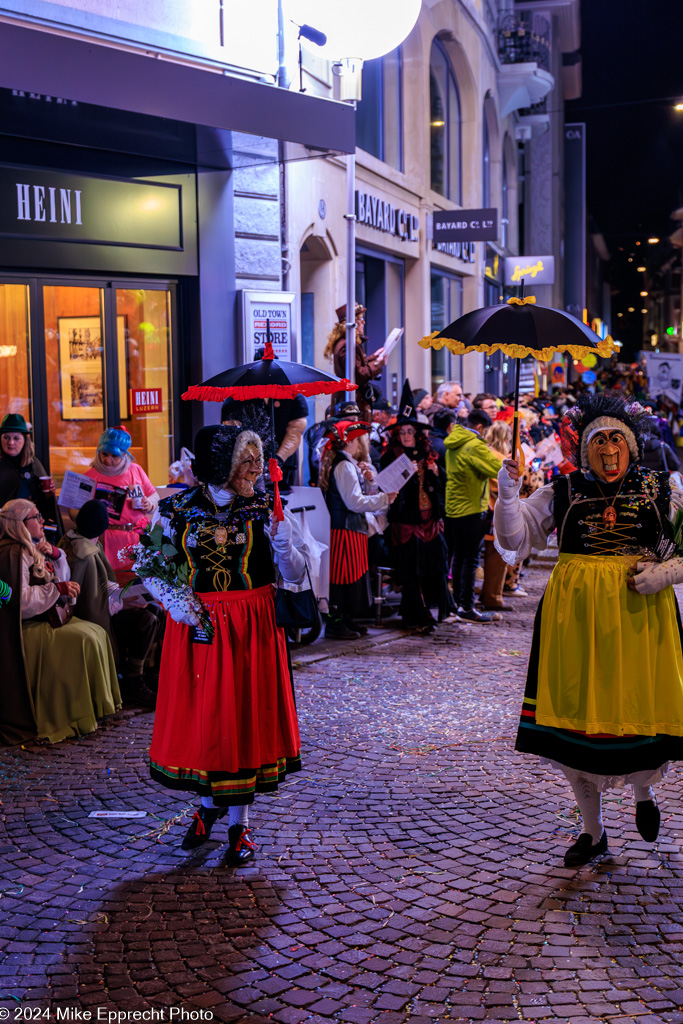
609 455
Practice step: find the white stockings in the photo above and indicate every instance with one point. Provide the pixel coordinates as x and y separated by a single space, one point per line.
589 803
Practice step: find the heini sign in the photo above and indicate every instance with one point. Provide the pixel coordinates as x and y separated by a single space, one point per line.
534 269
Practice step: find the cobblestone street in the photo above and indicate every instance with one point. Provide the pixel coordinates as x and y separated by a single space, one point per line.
411 872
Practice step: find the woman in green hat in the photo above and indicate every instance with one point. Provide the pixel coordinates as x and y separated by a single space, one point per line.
20 470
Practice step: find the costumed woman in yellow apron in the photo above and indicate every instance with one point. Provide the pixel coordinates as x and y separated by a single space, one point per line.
604 693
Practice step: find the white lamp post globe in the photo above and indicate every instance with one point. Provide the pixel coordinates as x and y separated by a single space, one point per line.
364 29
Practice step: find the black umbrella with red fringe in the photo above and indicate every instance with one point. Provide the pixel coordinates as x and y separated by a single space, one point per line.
268 378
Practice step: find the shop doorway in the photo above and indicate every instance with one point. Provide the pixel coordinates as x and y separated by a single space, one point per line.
77 356
380 288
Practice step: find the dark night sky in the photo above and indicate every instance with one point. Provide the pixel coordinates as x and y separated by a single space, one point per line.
632 55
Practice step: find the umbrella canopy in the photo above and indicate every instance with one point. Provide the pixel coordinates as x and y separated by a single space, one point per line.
267 378
520 328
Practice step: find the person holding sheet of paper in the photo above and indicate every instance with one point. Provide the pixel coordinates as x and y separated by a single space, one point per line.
416 523
368 367
341 479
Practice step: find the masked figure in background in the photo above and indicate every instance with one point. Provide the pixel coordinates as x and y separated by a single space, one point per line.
367 367
226 725
604 694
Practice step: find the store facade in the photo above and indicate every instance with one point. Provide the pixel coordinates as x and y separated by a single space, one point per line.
128 234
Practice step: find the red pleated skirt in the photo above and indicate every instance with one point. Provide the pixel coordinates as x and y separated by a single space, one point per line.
227 707
348 556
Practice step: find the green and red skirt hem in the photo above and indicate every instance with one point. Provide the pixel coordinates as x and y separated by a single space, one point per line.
227 789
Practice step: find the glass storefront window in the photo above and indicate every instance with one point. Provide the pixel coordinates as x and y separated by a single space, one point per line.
15 377
143 345
75 375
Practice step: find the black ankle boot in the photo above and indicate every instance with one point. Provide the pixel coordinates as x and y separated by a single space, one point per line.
200 829
242 848
584 850
648 819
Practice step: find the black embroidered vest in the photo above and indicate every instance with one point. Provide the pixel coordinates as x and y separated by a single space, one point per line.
226 546
642 514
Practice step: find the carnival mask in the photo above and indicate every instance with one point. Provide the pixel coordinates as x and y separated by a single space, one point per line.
247 470
609 455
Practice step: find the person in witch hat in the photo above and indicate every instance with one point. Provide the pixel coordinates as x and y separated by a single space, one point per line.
604 694
341 480
416 522
226 726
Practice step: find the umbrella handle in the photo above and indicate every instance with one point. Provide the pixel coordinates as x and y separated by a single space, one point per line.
517 450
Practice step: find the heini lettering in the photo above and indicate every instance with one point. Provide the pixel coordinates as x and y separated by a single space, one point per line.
53 205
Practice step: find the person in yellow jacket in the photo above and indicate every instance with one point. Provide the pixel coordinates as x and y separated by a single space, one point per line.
604 696
470 464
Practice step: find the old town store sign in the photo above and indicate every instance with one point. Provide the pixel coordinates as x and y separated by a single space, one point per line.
51 206
379 214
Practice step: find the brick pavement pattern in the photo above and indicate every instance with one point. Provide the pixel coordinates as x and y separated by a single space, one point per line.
412 872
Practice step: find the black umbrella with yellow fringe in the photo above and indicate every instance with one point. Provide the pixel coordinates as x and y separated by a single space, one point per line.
519 328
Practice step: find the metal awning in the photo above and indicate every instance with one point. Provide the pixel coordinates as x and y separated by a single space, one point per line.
47 63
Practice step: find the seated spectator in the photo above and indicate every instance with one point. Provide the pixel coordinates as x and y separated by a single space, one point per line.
341 480
128 493
20 470
60 675
132 630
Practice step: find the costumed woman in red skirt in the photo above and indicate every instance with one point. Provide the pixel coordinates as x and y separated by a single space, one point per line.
342 482
226 725
604 695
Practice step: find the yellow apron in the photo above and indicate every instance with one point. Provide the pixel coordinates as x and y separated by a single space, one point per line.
610 658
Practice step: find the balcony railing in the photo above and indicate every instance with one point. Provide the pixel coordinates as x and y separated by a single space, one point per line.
523 41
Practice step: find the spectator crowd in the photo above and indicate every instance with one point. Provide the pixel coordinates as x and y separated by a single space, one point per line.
410 490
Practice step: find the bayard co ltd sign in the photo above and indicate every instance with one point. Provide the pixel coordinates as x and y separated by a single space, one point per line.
379 214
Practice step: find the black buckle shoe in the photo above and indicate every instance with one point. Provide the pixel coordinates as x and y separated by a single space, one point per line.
648 819
242 849
200 829
584 849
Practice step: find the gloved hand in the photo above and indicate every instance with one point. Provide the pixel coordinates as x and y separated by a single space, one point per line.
291 562
176 601
655 576
115 597
507 487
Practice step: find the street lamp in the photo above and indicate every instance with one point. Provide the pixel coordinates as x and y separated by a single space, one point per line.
356 31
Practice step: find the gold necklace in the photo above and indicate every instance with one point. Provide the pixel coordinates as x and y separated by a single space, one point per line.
609 516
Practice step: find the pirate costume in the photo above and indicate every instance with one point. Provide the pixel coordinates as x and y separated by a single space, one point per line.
226 725
604 693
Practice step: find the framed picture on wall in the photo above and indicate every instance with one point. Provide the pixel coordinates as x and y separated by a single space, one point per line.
122 357
81 376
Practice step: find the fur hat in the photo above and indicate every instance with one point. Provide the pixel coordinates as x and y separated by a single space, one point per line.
597 412
216 450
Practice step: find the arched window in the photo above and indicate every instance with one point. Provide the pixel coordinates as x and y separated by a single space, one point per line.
486 166
444 123
379 114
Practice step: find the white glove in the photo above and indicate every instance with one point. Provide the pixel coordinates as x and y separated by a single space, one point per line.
176 601
655 576
507 487
290 562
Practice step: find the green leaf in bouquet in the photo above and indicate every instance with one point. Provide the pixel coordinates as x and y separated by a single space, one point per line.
156 535
169 550
183 573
